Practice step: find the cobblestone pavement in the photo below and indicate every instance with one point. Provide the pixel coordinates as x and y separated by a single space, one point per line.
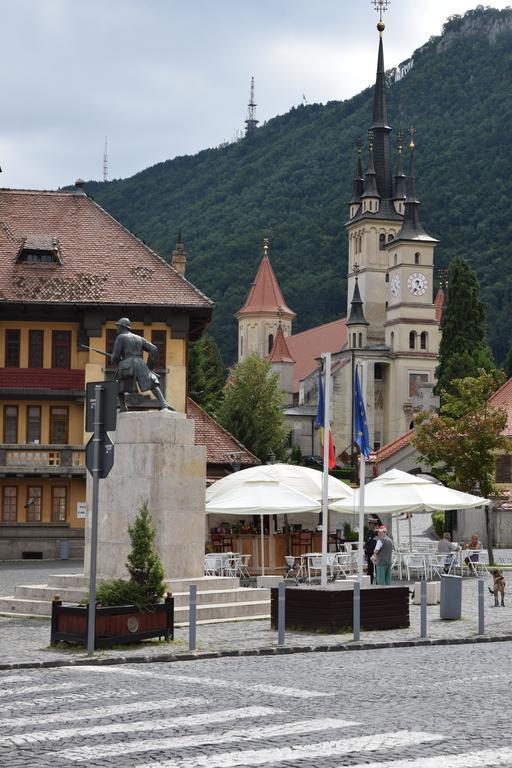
27 640
399 708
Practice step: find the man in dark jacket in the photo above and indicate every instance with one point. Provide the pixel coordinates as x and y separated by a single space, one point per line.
133 373
369 547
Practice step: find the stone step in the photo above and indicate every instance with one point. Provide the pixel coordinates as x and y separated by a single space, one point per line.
79 581
207 612
73 595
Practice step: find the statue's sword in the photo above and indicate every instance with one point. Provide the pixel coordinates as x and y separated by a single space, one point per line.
99 351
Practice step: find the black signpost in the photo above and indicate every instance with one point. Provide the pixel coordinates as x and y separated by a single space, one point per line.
101 416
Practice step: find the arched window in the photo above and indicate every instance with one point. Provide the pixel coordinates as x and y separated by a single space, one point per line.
270 342
241 346
382 241
361 340
424 340
392 339
354 340
412 340
387 277
395 258
416 258
390 237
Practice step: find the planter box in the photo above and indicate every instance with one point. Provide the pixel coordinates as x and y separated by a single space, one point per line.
332 610
119 624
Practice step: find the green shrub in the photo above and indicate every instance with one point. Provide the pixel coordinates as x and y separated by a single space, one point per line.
349 534
438 523
120 592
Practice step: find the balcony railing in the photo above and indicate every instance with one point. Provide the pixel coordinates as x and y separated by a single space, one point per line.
42 458
60 379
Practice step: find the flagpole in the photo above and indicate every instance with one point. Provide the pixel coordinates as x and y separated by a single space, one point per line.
325 479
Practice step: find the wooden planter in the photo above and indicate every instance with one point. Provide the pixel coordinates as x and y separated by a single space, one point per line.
119 624
332 610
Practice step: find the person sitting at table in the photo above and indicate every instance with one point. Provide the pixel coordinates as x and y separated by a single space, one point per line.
474 545
447 547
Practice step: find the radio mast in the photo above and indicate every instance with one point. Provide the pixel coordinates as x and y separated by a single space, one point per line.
251 122
105 162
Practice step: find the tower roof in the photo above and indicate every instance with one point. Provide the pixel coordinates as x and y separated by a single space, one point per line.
265 296
356 309
399 186
411 227
370 183
380 127
358 181
280 352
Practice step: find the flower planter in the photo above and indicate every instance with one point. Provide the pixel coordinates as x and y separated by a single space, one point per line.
116 624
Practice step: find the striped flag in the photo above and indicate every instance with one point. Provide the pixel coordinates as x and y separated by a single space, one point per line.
320 421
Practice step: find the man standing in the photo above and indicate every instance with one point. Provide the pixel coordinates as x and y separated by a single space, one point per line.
133 373
369 547
384 555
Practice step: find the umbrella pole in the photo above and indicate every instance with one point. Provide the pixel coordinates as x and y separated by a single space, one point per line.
262 547
410 531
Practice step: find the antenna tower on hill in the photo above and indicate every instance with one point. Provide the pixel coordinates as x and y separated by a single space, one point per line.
251 122
105 162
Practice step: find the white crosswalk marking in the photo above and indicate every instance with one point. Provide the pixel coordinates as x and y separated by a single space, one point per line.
502 756
275 690
254 757
50 701
39 688
99 712
173 723
197 739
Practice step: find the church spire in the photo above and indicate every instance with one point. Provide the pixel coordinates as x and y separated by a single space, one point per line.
356 308
399 186
358 180
380 127
370 181
411 227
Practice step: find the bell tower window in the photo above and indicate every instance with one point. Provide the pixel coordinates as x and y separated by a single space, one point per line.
382 241
424 340
412 340
417 258
270 342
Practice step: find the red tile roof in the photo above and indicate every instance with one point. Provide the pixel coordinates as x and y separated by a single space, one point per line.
439 304
280 352
305 347
502 398
41 378
220 444
394 446
265 294
102 262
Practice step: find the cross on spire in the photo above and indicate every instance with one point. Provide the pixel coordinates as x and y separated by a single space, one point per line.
380 6
265 246
412 131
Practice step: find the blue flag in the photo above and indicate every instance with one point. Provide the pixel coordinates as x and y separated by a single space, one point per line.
360 423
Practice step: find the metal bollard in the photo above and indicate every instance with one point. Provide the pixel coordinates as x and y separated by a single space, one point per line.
357 611
281 607
423 604
192 617
481 614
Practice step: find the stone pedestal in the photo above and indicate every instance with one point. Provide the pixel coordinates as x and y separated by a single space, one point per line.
155 461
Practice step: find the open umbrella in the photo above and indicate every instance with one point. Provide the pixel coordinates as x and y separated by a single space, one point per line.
304 479
261 497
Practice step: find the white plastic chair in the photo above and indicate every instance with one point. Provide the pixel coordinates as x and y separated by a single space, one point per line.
415 563
212 565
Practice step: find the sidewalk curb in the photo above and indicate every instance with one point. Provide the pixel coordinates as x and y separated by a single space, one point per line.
266 651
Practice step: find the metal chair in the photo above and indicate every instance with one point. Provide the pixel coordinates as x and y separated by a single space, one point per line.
415 562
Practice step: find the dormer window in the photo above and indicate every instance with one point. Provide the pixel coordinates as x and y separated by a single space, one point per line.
39 249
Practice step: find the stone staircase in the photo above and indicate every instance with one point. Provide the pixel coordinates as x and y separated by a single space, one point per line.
219 598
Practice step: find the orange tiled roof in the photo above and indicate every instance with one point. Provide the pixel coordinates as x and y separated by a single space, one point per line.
305 347
265 294
439 304
502 398
102 262
394 446
280 352
219 443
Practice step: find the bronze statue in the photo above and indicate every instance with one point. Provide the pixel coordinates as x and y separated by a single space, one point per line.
132 370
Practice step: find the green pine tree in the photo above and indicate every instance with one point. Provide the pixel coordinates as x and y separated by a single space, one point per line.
144 564
464 350
206 374
252 408
507 365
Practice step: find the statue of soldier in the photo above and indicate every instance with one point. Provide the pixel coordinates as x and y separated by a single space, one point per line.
132 370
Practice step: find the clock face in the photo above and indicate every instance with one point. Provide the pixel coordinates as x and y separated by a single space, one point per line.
417 283
395 285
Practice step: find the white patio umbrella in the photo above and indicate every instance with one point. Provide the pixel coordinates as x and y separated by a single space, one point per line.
261 497
396 492
304 479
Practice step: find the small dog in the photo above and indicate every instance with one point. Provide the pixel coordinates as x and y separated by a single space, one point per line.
499 587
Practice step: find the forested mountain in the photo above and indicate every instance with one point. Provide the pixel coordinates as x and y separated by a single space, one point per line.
292 179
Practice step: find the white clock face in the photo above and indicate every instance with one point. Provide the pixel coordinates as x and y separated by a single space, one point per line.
417 283
395 285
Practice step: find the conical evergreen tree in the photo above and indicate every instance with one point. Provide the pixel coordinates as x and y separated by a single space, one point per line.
464 349
206 374
144 564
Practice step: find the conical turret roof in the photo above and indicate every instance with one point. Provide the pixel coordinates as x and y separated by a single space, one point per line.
280 352
265 296
356 309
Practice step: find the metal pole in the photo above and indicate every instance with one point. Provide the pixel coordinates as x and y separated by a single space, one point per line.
192 617
91 616
357 610
262 542
281 607
325 477
481 613
423 601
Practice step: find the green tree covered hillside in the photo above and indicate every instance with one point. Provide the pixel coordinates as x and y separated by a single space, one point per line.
291 182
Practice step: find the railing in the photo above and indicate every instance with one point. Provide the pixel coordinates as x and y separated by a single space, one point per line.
70 457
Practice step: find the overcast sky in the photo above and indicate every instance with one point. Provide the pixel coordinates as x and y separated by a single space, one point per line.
162 78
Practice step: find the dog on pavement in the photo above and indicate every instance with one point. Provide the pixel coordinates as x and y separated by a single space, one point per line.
498 587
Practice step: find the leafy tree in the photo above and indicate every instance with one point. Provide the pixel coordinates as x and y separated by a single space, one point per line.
252 408
206 374
295 455
460 442
463 350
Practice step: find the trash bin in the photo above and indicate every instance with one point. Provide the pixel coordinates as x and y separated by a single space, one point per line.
64 549
451 597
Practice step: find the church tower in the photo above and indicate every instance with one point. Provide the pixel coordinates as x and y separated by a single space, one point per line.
264 312
392 326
